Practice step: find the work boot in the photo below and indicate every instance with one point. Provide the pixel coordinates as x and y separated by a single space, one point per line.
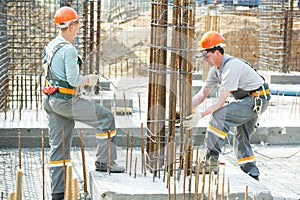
255 177
250 169
214 156
58 196
113 167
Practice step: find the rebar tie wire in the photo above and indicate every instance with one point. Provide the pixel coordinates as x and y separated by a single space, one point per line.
172 26
169 71
179 142
171 48
157 157
173 5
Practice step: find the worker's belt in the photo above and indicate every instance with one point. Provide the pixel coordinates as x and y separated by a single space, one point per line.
59 89
262 92
67 91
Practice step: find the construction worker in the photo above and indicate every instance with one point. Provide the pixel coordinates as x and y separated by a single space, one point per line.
234 77
63 105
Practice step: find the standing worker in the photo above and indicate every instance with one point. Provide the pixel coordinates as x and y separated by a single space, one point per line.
233 76
63 105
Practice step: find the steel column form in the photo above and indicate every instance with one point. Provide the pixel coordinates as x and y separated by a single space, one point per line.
287 38
92 38
188 31
157 84
181 51
84 36
276 51
98 36
175 65
4 80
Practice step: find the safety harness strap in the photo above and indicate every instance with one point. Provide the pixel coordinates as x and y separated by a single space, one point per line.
54 86
262 92
53 51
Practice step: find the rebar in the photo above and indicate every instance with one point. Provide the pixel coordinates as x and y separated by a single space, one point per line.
75 189
43 164
12 196
20 149
83 162
108 152
127 147
19 184
68 183
131 149
64 156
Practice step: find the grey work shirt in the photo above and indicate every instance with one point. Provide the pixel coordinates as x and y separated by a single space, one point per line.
234 75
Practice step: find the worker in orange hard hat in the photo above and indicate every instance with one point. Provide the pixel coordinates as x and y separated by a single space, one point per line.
64 16
64 106
211 39
209 42
232 76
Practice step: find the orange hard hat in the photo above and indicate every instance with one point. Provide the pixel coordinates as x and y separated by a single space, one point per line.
211 39
65 15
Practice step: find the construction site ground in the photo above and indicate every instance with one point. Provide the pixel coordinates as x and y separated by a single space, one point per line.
279 167
276 145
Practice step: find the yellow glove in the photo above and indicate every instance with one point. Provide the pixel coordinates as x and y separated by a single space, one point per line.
192 120
93 79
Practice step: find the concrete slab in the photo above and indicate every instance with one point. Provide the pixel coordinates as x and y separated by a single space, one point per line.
124 187
279 167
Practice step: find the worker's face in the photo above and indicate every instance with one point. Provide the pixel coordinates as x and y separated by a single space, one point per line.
74 28
210 57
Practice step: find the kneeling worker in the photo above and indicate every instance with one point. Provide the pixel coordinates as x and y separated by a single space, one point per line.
236 77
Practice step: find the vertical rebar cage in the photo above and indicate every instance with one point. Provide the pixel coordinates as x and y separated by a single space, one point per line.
116 40
171 58
3 56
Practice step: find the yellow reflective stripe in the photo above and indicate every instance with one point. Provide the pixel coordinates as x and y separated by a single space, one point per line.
245 160
261 93
67 91
58 163
216 131
105 135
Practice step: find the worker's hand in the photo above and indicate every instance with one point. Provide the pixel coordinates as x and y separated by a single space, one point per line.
93 79
192 120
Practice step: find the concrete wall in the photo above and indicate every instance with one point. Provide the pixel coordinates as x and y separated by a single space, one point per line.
31 138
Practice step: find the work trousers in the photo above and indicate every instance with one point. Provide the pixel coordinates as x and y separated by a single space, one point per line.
237 114
62 114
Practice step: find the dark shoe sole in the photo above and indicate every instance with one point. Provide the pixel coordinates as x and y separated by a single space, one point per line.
58 196
105 170
255 177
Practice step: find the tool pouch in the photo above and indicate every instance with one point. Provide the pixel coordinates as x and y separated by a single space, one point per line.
49 89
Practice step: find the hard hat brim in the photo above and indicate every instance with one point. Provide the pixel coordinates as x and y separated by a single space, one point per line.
67 24
201 52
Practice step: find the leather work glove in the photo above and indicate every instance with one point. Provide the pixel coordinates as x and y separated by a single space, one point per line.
192 120
93 79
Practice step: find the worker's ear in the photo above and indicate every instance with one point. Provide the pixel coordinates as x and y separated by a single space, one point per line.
71 27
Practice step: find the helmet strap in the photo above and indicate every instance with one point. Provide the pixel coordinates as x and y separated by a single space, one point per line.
66 24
